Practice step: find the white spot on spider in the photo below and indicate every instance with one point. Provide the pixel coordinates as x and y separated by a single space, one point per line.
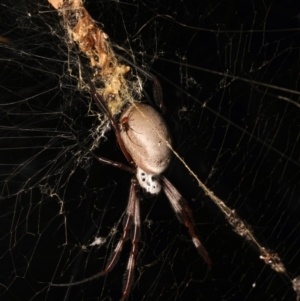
149 182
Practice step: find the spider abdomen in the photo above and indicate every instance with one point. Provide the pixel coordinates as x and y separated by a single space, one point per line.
145 136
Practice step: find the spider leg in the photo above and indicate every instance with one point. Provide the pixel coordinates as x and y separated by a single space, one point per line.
132 215
184 215
114 163
135 236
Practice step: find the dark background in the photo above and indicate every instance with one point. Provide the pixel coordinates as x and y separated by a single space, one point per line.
230 77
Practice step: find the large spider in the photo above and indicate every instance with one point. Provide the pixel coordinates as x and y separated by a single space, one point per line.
145 141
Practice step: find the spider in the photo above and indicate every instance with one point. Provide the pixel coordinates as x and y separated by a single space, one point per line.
145 140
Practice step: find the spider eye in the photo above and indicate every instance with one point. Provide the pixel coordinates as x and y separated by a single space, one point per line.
150 183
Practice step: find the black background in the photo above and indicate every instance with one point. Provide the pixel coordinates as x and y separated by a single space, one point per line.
238 133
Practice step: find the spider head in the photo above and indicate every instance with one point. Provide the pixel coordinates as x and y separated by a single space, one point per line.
149 182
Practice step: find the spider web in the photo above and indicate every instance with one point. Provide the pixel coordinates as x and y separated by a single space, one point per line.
229 73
